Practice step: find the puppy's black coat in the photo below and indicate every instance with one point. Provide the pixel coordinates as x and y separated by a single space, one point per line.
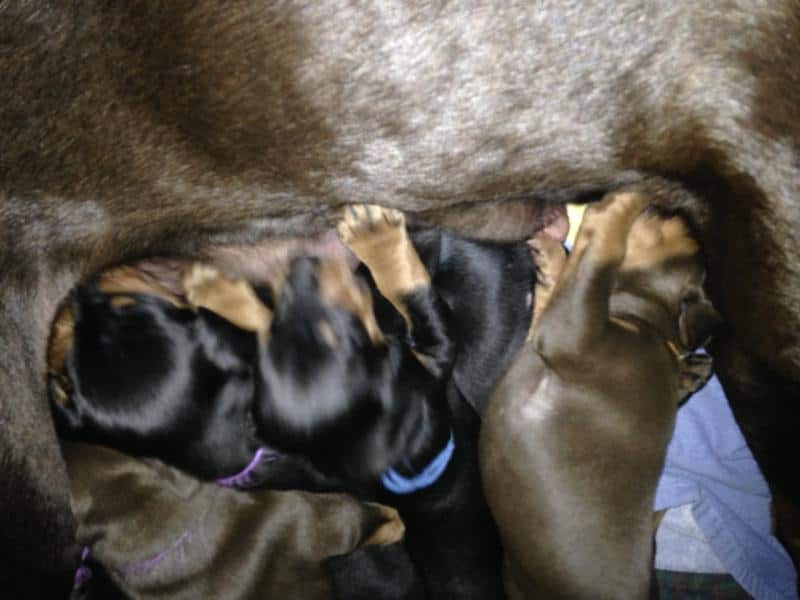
395 404
153 379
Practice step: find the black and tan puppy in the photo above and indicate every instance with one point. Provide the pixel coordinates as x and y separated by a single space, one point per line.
369 401
576 433
135 368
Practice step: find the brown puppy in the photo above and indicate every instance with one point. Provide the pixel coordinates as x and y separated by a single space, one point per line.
578 429
130 130
163 534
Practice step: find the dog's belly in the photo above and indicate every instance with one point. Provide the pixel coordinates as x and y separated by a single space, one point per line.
192 125
276 116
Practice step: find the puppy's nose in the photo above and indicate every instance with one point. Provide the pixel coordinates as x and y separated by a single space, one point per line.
303 273
300 283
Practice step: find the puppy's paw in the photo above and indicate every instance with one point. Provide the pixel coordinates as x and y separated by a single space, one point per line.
378 237
200 283
549 257
617 210
391 531
234 300
371 231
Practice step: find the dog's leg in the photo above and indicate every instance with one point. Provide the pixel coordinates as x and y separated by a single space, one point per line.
234 300
578 310
378 237
549 256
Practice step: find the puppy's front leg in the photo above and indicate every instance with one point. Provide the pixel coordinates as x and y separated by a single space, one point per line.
577 313
234 300
378 237
549 257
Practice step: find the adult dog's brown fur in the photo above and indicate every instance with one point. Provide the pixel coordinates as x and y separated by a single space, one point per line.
136 128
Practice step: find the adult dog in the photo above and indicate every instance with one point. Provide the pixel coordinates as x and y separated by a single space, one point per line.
131 129
579 426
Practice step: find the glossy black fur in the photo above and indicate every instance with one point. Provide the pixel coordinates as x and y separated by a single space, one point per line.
467 327
488 290
355 409
155 380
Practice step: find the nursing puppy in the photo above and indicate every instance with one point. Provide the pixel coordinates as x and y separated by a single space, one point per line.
575 436
387 400
134 367
153 531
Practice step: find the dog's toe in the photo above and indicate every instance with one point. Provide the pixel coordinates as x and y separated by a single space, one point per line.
368 223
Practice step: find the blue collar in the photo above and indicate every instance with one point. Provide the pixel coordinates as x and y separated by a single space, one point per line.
398 484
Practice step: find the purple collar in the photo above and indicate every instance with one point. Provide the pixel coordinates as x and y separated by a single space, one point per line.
244 478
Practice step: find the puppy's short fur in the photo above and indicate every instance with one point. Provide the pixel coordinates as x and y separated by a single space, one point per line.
575 437
133 368
160 533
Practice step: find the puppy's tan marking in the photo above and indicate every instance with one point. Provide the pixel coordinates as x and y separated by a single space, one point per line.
549 257
127 279
378 237
653 240
120 301
339 287
391 531
62 336
232 299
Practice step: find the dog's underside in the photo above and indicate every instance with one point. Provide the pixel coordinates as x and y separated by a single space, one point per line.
133 129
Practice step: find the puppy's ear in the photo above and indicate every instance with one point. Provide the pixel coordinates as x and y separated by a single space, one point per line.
62 403
225 344
697 319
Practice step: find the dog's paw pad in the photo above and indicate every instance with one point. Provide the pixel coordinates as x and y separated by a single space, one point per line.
391 531
366 222
618 203
198 279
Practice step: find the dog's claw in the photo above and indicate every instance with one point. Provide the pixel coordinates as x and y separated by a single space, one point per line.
378 237
362 222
